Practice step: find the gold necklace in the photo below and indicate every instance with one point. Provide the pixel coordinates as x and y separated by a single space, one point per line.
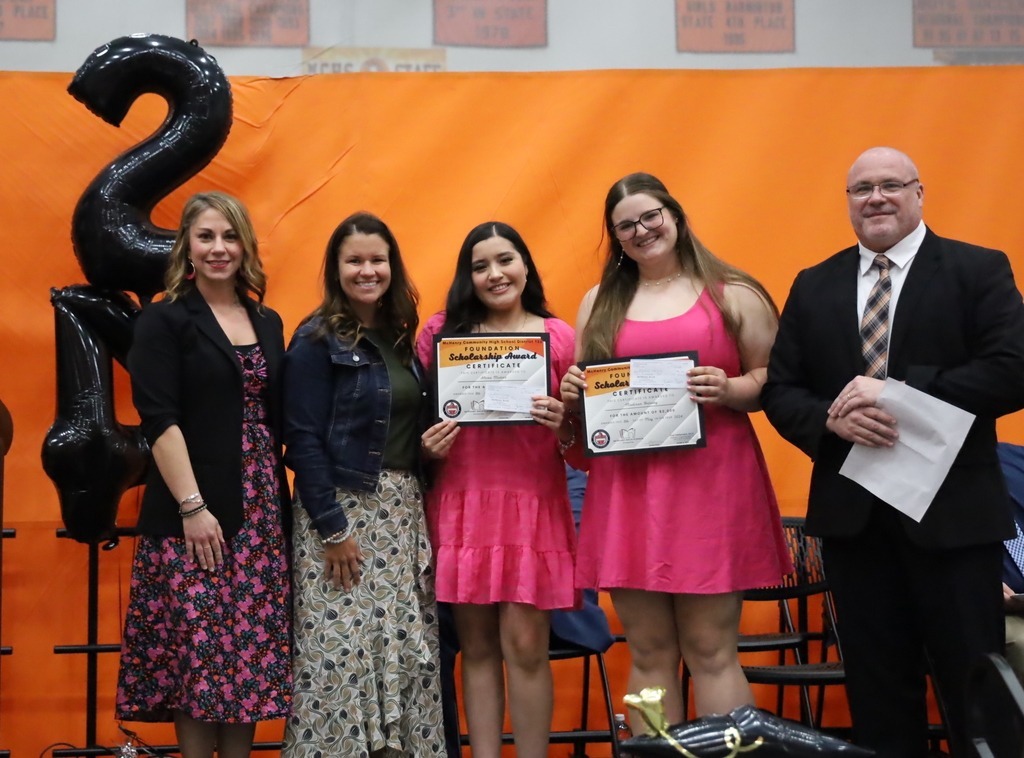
666 280
488 329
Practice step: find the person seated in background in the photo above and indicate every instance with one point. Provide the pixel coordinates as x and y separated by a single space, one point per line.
1011 458
586 627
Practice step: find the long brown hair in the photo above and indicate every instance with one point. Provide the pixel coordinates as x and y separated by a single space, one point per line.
621 275
250 277
397 306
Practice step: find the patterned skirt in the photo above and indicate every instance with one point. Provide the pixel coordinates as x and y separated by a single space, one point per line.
366 662
213 644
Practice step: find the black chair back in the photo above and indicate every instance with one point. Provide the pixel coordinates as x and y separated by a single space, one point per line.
995 709
808 575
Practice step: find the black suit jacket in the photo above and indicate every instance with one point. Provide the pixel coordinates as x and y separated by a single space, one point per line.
185 371
958 334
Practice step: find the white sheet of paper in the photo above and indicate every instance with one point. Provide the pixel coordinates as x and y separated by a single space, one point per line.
509 396
659 373
908 474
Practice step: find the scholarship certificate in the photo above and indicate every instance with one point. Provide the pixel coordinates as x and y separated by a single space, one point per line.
640 404
491 378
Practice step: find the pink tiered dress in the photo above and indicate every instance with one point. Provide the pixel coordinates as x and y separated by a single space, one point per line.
498 510
699 521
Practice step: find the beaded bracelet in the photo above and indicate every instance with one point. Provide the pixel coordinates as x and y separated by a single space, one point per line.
564 446
193 512
338 537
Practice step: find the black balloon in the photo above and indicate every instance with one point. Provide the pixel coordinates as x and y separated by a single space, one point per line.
6 439
744 731
91 458
116 243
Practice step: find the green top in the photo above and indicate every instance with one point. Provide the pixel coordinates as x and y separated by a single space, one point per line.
402 446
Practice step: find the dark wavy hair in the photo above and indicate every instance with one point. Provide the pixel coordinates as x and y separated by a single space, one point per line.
621 275
397 306
463 309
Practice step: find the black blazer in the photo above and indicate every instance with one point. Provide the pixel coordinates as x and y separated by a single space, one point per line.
184 371
958 334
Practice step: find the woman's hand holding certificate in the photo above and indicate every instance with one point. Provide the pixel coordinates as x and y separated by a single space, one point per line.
708 384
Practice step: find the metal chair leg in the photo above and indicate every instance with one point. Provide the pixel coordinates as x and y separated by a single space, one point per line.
607 689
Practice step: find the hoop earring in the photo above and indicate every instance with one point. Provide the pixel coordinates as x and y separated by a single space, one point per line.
190 270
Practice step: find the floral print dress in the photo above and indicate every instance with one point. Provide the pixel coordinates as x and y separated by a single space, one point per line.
216 645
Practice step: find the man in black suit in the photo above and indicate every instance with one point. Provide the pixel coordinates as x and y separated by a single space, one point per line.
947 319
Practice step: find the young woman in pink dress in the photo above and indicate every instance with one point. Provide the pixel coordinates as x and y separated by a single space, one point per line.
499 513
676 535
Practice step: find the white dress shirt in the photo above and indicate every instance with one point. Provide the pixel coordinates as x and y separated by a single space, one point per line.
902 255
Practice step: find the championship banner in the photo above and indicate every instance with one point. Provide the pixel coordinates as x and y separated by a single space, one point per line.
33 20
491 378
349 60
735 26
491 23
968 23
248 23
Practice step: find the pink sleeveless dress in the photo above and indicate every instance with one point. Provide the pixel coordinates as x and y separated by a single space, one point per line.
697 521
498 509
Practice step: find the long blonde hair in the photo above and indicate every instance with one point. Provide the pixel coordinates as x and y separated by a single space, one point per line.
250 276
621 276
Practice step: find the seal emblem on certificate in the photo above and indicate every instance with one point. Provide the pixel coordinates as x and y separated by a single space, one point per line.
491 378
639 404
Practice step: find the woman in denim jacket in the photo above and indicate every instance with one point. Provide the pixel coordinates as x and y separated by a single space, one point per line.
366 646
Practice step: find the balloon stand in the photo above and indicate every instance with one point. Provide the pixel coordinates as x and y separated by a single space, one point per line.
5 649
6 440
92 650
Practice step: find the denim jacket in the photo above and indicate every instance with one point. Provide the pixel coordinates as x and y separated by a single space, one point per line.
337 406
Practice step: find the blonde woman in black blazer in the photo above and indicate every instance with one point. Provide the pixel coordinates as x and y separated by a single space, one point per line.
207 634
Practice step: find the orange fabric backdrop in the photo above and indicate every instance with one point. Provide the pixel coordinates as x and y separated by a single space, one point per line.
757 158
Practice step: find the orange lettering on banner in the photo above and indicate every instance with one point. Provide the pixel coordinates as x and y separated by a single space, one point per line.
248 23
735 26
491 23
28 19
968 23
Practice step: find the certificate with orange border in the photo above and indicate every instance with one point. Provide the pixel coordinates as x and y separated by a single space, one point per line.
621 418
466 368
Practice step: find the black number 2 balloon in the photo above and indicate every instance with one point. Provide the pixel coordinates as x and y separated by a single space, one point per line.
91 458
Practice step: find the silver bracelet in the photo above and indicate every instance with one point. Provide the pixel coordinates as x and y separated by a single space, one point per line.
195 497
